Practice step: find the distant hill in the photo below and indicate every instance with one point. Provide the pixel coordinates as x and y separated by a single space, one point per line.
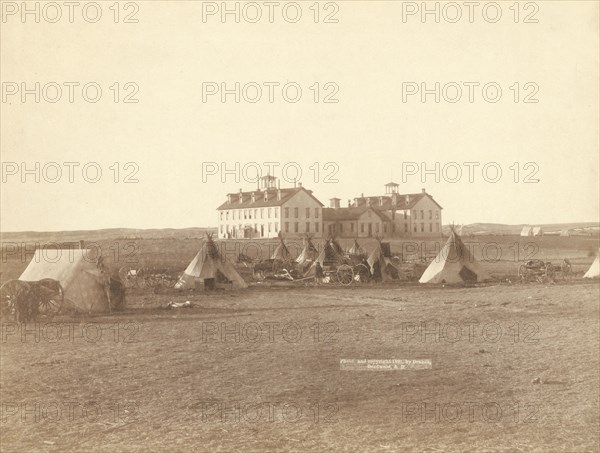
107 234
580 228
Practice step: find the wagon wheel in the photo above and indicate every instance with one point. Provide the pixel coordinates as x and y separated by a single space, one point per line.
10 293
396 261
51 301
550 271
362 272
345 274
523 272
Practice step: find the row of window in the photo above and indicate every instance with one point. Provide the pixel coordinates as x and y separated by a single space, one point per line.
261 230
374 228
246 214
286 213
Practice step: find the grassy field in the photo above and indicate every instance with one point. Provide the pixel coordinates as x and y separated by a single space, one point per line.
513 366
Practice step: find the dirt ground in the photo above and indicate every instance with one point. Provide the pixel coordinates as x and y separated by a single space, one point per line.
513 367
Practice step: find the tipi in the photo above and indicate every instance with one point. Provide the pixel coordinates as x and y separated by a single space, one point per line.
356 249
281 253
527 231
209 268
329 256
85 286
594 270
454 264
309 252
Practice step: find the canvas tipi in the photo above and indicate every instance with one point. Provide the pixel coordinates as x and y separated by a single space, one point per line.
527 231
84 285
594 270
208 268
454 264
309 252
356 249
281 252
329 256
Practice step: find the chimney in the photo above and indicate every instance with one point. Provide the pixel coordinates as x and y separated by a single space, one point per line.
423 190
395 199
334 203
278 194
266 195
349 203
380 201
253 197
368 201
241 196
407 198
229 198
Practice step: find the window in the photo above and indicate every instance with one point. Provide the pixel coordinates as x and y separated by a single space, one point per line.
437 227
269 227
295 213
352 227
376 228
415 227
221 229
249 213
362 227
422 227
296 226
316 227
262 212
437 215
226 215
287 227
287 212
256 213
405 215
308 213
406 227
276 210
308 227
385 227
431 227
316 213
430 215
422 214
221 215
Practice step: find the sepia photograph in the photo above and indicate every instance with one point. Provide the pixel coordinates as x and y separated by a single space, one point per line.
300 226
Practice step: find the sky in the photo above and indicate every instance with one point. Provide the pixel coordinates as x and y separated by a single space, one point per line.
528 153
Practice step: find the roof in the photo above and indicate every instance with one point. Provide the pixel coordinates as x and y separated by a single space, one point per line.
352 213
414 198
286 195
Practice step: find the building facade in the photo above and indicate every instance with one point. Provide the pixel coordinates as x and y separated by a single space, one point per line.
296 212
389 215
269 210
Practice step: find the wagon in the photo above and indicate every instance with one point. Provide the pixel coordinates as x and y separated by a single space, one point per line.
540 270
28 301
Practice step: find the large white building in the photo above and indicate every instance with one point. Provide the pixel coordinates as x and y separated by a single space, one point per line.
389 215
268 210
264 212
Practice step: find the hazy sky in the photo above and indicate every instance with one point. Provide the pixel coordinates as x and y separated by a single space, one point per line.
370 134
